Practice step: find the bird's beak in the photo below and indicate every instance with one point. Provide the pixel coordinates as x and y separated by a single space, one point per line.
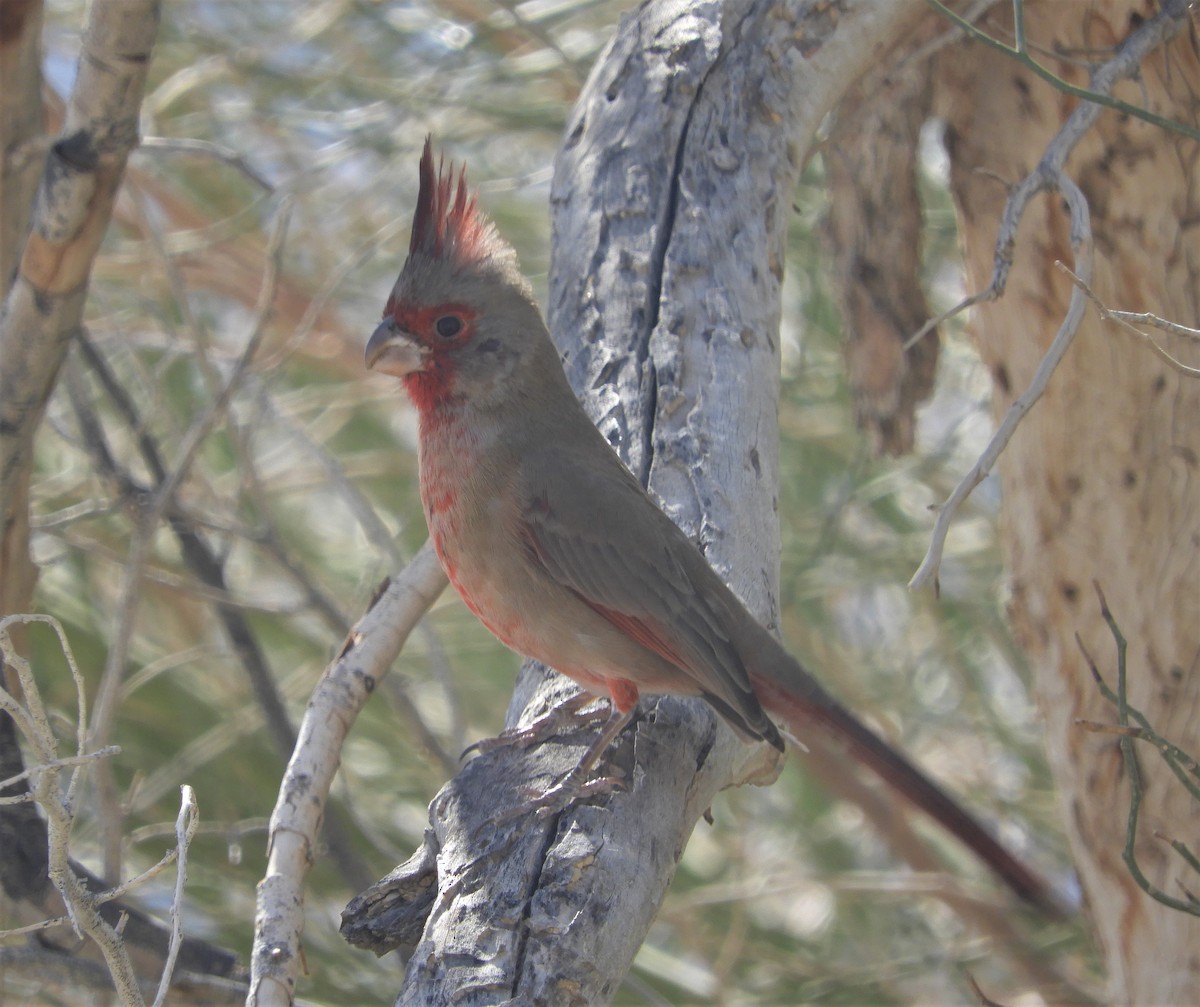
394 351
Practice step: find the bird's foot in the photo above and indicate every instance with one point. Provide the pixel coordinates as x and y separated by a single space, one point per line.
568 790
576 785
567 715
559 797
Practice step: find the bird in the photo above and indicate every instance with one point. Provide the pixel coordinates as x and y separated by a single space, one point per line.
558 549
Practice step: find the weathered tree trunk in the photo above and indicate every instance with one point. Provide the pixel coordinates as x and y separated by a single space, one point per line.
670 211
47 247
43 306
20 125
1101 481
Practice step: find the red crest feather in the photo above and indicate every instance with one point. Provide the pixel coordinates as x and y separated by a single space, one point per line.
453 230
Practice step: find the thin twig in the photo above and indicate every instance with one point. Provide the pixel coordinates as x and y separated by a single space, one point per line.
61 763
1178 761
206 565
1125 320
984 1000
185 831
1095 727
99 898
928 570
57 807
1146 318
1047 176
324 295
1170 19
940 41
191 145
149 518
1129 756
385 543
1180 847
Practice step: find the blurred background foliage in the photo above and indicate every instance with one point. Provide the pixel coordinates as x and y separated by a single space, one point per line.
296 472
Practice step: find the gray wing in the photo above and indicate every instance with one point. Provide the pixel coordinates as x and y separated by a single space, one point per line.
594 530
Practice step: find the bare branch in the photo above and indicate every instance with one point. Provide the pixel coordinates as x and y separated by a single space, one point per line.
1133 772
189 145
1171 18
1047 176
146 524
185 830
1126 320
206 565
57 807
20 128
44 306
84 896
373 644
1081 241
62 763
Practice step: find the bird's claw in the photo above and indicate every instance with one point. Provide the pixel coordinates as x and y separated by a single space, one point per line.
559 797
570 714
563 794
517 737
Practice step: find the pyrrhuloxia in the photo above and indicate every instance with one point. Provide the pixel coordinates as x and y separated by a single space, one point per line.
551 541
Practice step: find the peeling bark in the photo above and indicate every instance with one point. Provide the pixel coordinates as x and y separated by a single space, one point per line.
1100 483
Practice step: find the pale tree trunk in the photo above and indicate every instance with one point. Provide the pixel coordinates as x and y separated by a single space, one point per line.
670 208
664 289
1101 482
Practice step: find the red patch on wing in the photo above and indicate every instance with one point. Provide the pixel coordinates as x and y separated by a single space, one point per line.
622 691
642 630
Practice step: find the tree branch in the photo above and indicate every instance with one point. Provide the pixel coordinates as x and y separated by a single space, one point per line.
1047 176
669 228
21 126
1174 12
1174 757
369 650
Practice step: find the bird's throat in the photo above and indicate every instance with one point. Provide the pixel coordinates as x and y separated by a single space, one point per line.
430 390
448 459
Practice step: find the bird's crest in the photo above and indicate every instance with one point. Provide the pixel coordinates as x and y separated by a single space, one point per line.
447 224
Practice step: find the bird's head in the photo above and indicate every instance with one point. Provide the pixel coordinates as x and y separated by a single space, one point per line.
461 323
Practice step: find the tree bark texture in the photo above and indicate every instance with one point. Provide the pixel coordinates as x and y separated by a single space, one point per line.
670 206
43 306
1100 482
873 236
47 248
20 125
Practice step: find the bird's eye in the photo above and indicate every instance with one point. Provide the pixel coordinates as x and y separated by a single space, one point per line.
448 326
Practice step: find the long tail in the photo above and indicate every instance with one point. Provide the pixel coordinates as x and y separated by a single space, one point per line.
813 707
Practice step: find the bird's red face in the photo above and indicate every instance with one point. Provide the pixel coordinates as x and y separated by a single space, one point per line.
459 317
419 345
410 337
